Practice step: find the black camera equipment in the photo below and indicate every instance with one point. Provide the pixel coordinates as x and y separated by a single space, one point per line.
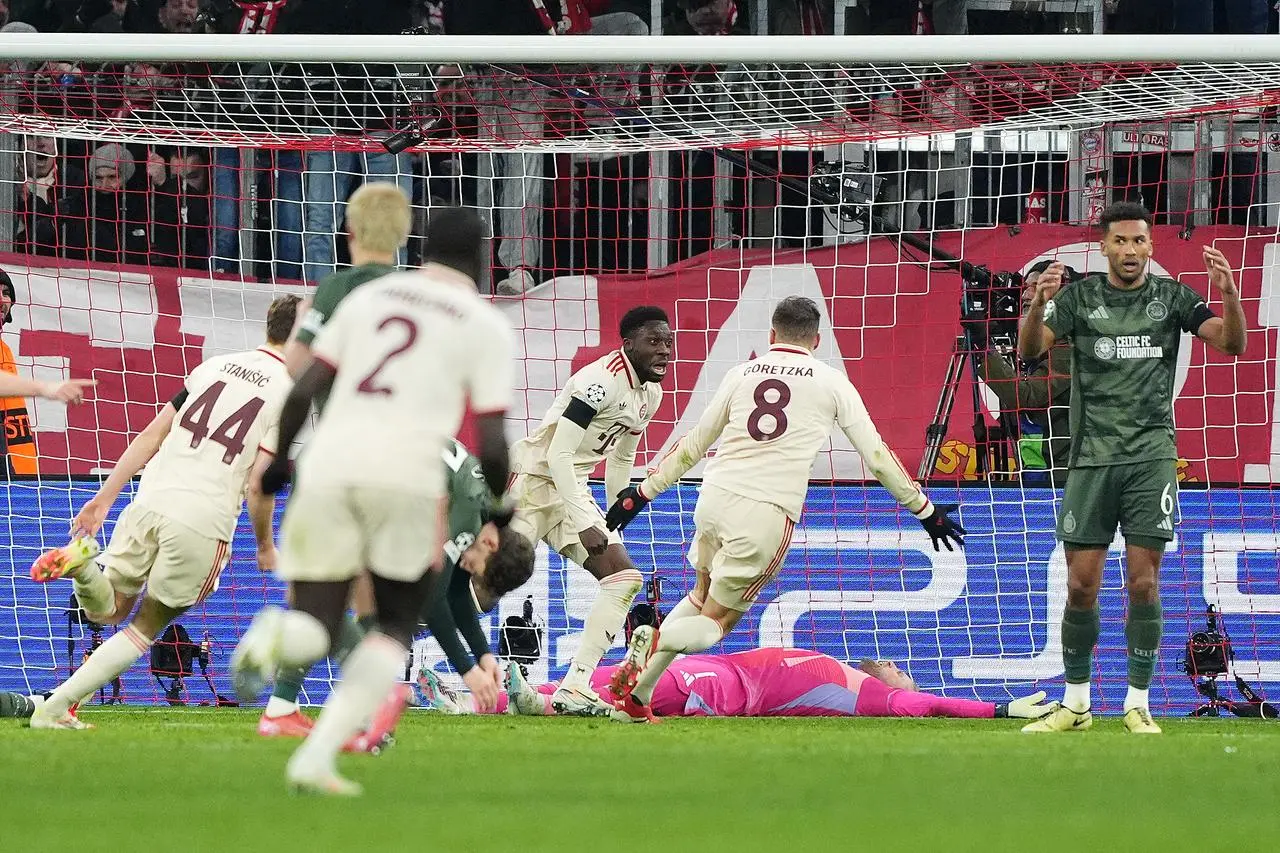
520 638
173 659
1207 658
645 612
76 616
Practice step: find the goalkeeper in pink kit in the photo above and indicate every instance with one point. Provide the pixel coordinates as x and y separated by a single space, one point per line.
769 682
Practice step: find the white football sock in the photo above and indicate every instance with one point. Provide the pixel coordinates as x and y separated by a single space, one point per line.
684 636
93 590
602 626
112 658
367 677
277 707
660 660
303 640
1135 698
1076 697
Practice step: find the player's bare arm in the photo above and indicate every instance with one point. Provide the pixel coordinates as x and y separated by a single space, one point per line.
139 452
492 451
1034 337
316 379
70 391
1227 333
261 510
296 353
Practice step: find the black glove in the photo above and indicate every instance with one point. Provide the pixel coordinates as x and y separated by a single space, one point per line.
941 528
628 505
277 475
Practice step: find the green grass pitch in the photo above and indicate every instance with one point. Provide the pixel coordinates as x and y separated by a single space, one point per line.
178 780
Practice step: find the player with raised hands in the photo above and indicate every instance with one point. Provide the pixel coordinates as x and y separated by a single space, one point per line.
772 416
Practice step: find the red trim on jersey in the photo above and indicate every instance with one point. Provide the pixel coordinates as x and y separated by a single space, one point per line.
620 363
219 562
482 412
789 348
270 453
268 351
774 565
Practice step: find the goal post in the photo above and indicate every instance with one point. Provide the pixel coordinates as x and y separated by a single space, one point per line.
157 192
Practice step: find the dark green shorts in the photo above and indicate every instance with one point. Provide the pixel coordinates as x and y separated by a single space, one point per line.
1141 497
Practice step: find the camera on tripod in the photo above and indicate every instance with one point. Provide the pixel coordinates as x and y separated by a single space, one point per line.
992 301
1207 658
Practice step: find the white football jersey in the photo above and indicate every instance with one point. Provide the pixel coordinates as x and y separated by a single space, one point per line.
232 408
623 404
410 352
772 416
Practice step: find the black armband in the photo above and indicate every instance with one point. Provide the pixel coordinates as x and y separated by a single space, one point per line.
1198 316
179 399
579 412
1002 710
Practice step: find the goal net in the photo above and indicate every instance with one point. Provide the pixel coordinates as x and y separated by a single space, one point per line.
156 193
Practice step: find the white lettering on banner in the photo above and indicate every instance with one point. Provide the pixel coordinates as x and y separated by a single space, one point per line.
231 316
778 619
107 308
1222 588
1269 318
746 331
552 323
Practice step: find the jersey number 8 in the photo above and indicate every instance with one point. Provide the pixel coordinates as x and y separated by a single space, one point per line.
775 409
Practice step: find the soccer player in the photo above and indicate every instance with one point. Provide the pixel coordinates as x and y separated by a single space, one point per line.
767 682
600 415
1125 328
174 537
400 359
774 413
378 223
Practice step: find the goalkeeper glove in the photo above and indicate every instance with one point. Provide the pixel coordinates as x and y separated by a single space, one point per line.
1030 707
628 505
941 528
277 475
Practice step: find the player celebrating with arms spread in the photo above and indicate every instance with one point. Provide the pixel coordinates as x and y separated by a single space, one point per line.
174 536
775 414
1125 328
600 414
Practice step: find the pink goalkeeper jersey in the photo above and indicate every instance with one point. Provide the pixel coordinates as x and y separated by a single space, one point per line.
758 683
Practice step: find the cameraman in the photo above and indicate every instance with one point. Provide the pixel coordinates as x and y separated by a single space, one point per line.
1038 394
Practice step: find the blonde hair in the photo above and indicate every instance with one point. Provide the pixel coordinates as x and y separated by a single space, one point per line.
378 217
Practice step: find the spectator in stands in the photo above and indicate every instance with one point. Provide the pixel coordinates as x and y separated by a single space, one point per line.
39 225
1037 395
801 17
513 108
180 210
105 221
706 18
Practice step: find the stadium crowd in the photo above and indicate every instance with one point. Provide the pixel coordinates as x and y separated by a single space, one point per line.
192 207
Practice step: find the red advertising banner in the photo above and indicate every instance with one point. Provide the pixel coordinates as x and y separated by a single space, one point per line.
891 319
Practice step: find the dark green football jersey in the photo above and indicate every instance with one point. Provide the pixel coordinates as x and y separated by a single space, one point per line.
1124 357
469 499
329 294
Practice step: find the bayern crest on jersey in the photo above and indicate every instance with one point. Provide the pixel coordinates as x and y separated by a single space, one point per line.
644 411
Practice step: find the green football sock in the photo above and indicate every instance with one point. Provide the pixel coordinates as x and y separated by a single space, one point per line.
1080 629
289 683
1142 631
350 634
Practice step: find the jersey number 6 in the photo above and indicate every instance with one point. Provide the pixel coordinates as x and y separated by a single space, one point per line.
775 408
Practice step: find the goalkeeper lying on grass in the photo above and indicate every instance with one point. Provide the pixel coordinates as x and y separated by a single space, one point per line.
767 682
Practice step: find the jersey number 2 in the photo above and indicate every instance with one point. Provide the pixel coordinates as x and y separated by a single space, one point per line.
231 432
775 408
369 384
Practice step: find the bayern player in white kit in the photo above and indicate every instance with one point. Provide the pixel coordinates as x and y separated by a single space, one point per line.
772 415
399 360
174 537
599 416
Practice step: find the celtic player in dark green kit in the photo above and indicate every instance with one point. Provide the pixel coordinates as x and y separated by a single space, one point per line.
1125 328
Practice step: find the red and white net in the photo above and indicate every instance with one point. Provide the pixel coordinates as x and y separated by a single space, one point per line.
154 209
